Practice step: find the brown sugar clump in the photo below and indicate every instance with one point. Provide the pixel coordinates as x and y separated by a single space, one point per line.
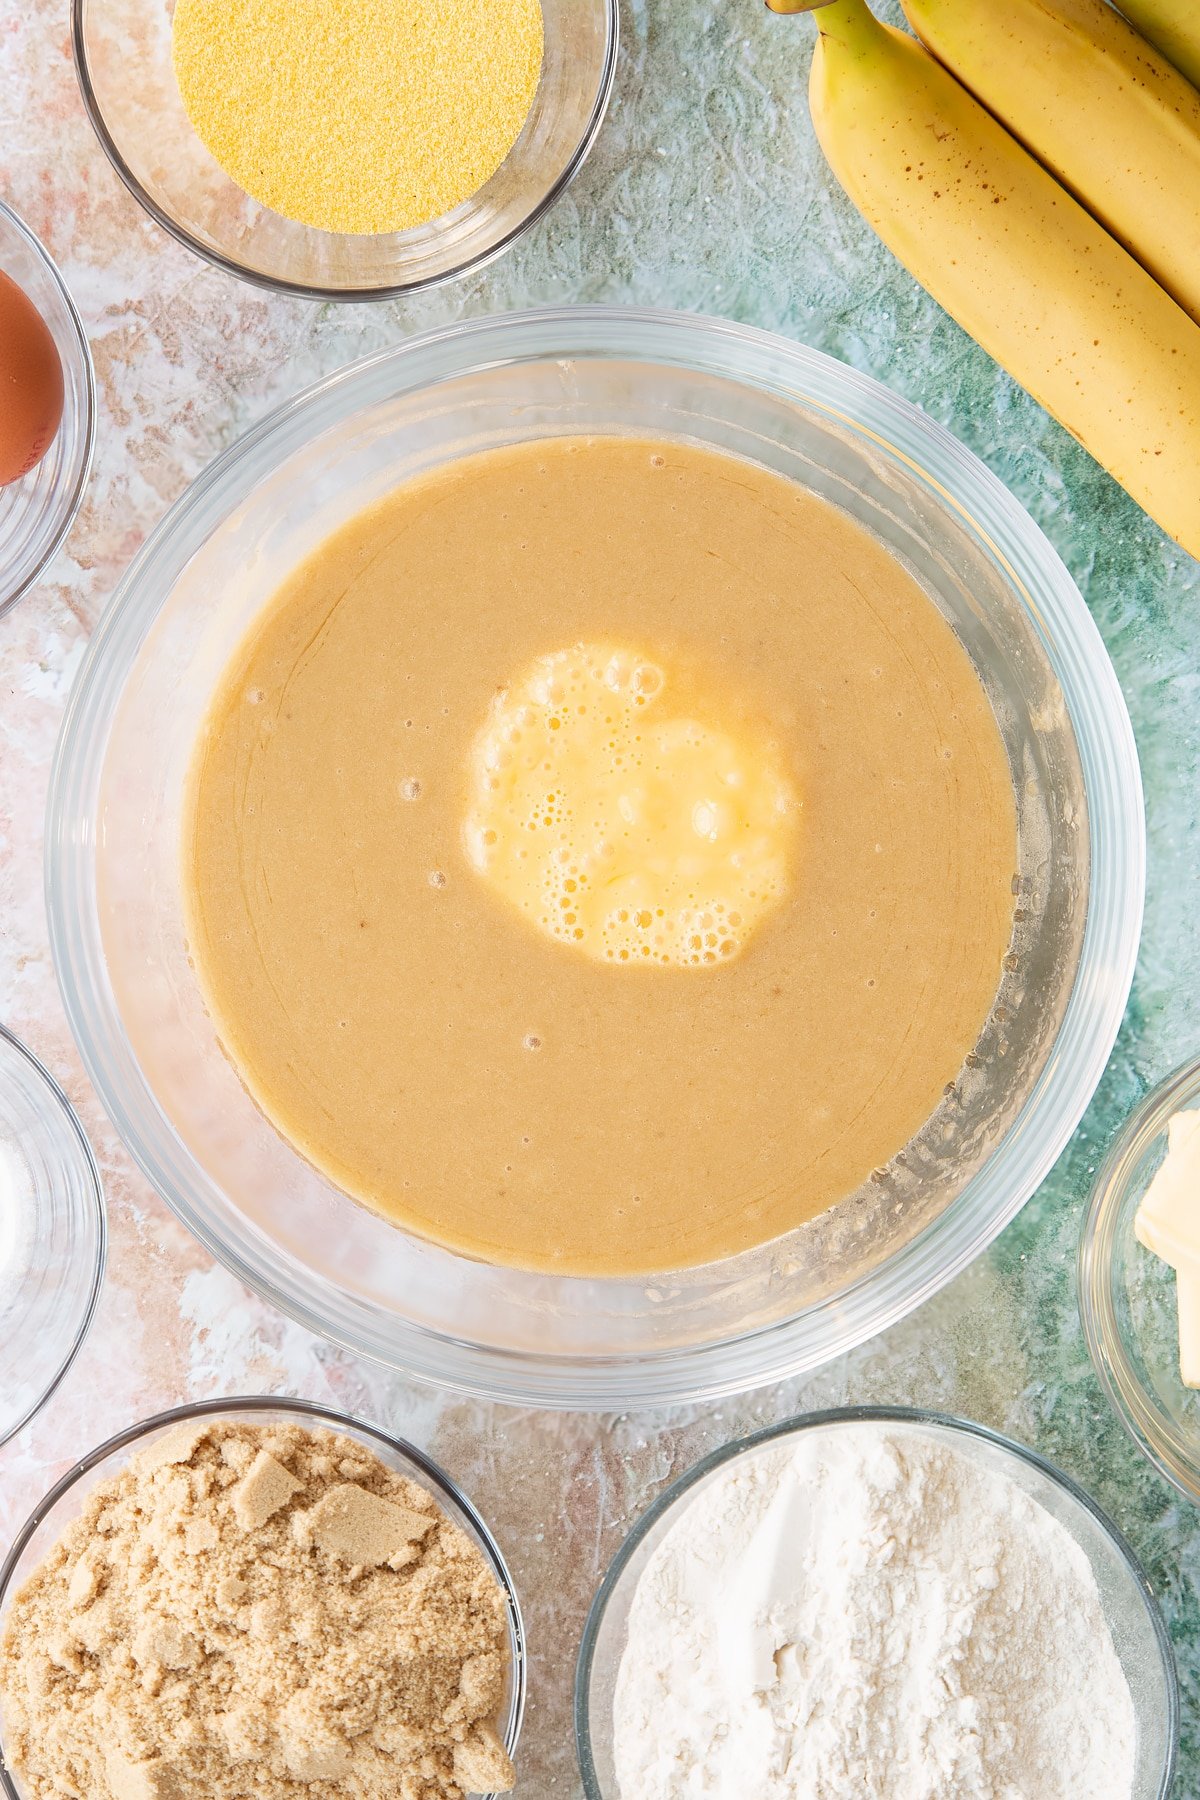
257 1611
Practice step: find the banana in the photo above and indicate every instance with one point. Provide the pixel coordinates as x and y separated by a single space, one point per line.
1103 110
1174 27
1014 259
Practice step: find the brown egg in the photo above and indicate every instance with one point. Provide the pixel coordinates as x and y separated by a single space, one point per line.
31 384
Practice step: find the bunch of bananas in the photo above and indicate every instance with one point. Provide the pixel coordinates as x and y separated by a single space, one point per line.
1036 165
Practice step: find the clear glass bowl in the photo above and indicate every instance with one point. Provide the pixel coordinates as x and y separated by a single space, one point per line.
123 60
1138 1632
113 860
52 1235
1127 1294
36 512
65 1501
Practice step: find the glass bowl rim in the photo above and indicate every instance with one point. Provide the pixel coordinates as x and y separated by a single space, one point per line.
1055 610
1159 1442
306 1410
835 1415
95 1191
55 543
304 290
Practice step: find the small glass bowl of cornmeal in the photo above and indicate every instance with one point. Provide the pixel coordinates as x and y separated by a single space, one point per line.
1139 1277
341 151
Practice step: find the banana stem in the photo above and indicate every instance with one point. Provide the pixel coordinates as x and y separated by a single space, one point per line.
849 19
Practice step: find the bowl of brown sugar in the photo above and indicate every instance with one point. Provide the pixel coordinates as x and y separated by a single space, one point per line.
249 1597
346 149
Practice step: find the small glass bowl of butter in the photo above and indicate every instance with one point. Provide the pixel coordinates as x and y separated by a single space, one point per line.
1139 1277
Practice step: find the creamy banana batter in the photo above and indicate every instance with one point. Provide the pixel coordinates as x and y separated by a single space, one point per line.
598 856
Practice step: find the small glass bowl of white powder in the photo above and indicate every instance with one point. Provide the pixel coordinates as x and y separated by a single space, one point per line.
52 1235
876 1604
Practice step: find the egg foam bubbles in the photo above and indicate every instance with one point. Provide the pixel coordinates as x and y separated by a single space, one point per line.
620 824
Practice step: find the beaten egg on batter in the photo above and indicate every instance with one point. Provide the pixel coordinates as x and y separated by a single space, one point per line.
598 856
623 828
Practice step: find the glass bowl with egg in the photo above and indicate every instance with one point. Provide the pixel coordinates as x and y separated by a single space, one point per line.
38 505
254 1416
124 60
882 1448
1129 1296
453 1306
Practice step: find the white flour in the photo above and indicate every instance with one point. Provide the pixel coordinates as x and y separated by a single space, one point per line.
867 1613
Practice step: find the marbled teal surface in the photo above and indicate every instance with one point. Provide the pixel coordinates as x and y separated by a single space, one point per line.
706 192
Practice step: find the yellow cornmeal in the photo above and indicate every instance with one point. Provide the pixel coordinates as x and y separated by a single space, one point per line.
620 824
359 116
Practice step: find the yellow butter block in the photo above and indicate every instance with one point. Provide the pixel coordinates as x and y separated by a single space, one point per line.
1187 1299
1168 1223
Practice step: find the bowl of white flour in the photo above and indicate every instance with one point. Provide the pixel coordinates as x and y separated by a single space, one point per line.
876 1604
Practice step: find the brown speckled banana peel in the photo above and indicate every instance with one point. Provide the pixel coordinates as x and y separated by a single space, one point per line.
1099 106
1174 26
1014 259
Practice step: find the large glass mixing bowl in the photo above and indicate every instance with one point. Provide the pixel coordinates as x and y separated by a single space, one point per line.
114 888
